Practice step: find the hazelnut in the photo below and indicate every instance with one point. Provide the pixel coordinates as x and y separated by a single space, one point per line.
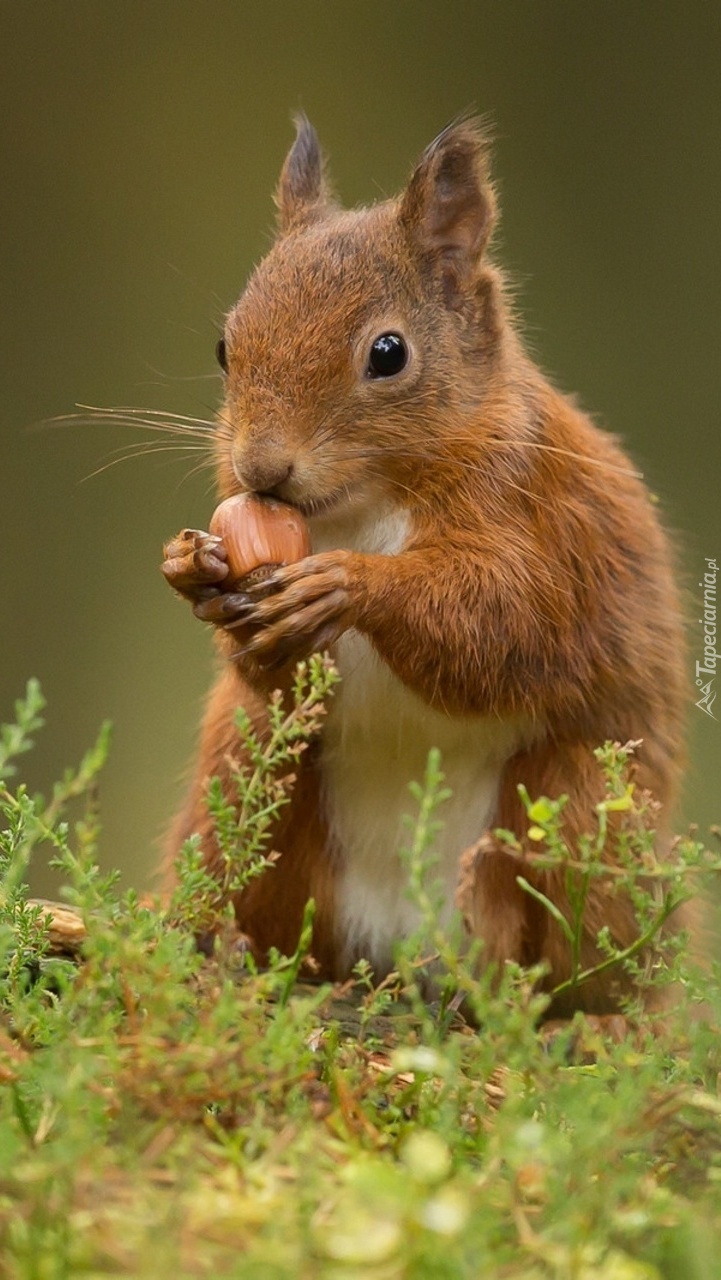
259 535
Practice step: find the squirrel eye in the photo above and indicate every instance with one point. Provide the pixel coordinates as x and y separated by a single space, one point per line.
388 355
220 355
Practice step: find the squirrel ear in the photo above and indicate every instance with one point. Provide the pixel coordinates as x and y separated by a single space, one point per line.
448 208
303 195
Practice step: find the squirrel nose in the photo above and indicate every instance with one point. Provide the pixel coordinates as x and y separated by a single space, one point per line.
266 476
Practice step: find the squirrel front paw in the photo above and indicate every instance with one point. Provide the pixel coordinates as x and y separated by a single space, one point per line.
195 563
196 566
300 609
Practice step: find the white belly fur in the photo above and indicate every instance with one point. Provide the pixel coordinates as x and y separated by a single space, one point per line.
375 742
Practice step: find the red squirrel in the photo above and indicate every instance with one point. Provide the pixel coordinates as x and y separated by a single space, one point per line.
487 571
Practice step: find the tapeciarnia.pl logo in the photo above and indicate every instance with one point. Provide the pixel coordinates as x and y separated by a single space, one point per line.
710 656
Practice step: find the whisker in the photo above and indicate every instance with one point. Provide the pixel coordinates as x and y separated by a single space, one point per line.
143 419
133 411
181 435
196 470
476 439
137 409
129 452
140 447
166 379
567 453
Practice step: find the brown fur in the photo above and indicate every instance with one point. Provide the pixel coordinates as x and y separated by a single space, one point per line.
536 582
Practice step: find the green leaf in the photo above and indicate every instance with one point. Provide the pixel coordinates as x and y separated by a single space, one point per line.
542 810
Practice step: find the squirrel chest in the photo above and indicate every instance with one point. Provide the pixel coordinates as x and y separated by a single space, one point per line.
376 741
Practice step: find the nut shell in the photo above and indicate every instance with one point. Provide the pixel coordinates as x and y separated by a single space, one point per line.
259 534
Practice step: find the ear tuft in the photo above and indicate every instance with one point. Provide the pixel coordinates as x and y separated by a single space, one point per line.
448 208
303 195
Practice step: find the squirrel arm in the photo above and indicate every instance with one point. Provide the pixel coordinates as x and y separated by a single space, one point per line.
472 636
470 633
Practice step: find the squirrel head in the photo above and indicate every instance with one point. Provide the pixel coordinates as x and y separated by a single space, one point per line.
365 336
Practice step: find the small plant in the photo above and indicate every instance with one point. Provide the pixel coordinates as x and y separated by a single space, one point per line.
32 822
263 778
161 1115
628 857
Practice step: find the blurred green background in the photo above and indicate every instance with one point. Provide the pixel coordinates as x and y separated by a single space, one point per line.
140 145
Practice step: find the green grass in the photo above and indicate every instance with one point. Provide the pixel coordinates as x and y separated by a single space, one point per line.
166 1115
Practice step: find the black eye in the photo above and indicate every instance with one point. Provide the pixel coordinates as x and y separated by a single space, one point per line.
220 355
388 355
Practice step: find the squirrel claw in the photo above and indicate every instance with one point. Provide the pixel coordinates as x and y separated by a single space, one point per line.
193 562
259 590
226 609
